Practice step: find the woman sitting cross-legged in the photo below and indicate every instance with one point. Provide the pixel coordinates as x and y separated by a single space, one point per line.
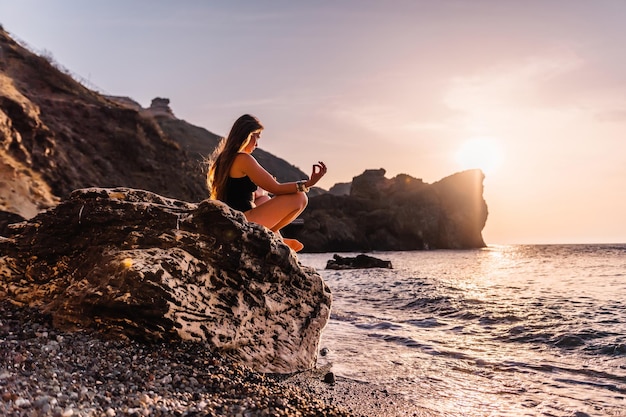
235 176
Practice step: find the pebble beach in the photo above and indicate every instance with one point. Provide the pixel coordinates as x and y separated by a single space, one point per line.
47 372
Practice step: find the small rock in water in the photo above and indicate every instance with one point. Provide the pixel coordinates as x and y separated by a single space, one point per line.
329 378
358 262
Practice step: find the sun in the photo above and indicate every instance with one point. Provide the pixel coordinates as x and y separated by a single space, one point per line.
482 153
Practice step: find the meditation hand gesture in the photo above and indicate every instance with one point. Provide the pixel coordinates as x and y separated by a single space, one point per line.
319 170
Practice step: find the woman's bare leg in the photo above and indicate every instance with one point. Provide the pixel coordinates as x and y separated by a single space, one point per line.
261 199
260 196
294 244
278 212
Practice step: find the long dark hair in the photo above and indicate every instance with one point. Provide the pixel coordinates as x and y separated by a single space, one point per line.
223 156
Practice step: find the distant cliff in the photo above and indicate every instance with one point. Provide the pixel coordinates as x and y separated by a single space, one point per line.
402 213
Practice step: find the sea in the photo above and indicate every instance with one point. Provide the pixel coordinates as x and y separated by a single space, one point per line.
507 330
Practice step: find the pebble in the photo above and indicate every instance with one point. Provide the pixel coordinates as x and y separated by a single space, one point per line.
41 401
21 402
64 374
68 412
329 378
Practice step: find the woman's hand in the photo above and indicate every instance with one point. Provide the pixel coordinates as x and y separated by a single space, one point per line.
319 170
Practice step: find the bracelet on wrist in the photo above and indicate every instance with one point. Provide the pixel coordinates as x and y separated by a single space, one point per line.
301 187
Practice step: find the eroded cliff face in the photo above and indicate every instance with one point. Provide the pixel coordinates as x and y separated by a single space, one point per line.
57 136
23 190
402 213
133 263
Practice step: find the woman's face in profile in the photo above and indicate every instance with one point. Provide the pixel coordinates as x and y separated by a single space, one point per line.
253 140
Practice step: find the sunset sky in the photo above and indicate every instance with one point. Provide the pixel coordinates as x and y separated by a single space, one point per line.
533 92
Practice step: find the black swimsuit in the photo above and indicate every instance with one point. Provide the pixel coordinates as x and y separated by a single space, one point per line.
240 193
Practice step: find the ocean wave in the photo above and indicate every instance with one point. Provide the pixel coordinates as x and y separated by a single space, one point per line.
578 339
385 325
429 303
426 323
569 341
610 349
402 340
508 318
606 343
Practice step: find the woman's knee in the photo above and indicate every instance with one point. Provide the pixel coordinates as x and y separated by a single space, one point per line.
302 200
296 201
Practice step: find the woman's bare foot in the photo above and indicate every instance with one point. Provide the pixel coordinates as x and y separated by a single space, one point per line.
294 244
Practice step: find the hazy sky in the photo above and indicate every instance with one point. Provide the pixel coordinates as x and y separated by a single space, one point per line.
534 92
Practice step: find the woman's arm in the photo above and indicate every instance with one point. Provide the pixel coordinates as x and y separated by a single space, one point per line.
247 165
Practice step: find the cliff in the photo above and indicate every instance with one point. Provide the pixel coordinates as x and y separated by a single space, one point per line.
402 213
133 263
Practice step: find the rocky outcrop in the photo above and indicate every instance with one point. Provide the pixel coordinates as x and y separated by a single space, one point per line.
361 261
161 107
402 213
341 188
6 219
133 263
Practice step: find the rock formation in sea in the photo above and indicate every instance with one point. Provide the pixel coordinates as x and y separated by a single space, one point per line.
402 213
133 263
360 261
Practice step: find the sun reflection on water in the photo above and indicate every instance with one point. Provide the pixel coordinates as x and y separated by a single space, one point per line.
505 330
